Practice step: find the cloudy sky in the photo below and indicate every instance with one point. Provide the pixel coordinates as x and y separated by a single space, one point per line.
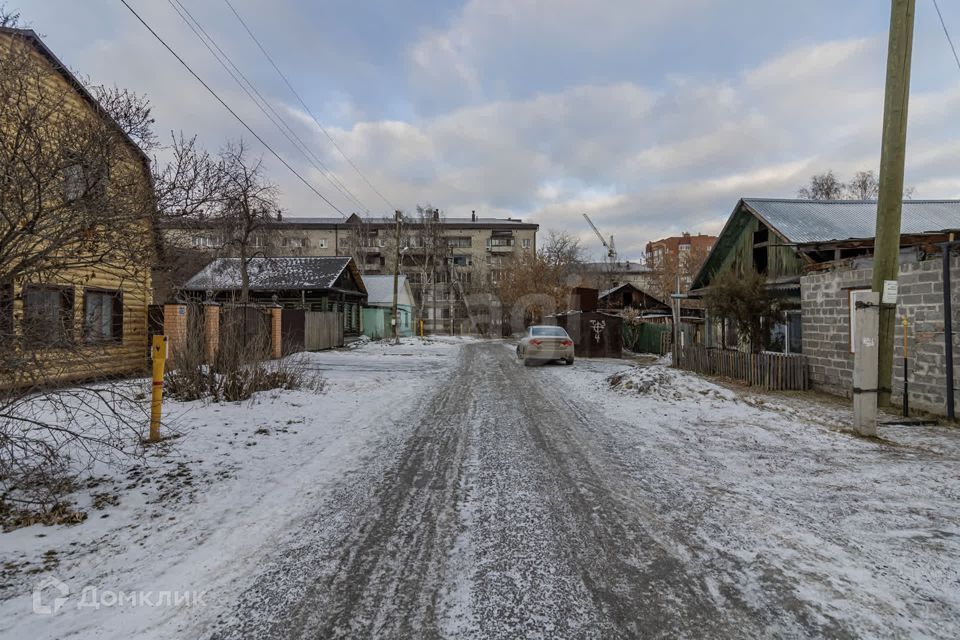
654 116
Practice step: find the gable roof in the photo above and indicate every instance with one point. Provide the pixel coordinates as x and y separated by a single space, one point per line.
380 288
630 285
275 274
31 36
799 222
812 221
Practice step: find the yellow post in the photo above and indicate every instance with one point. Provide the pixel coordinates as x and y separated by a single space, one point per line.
421 327
159 352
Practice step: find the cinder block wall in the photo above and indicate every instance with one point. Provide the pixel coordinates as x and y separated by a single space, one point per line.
826 330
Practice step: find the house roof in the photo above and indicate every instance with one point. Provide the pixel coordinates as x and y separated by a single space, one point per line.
31 36
813 221
627 266
274 274
380 288
800 222
630 285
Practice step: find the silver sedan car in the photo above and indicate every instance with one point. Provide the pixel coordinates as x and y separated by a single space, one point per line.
545 343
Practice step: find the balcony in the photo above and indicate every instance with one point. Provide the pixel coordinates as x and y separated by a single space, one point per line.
500 248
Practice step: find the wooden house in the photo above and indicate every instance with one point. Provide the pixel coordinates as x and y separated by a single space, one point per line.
75 235
630 296
309 283
784 239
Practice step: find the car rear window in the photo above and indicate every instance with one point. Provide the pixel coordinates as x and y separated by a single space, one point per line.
553 332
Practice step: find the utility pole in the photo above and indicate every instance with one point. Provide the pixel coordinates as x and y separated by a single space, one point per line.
886 252
396 280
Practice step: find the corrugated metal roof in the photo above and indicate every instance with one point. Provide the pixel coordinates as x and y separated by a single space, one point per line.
810 221
270 274
380 288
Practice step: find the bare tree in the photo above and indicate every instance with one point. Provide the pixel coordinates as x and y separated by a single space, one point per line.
865 185
9 17
74 200
427 251
823 186
131 111
563 248
69 195
248 207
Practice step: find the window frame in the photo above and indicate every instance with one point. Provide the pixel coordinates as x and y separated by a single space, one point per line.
68 317
116 316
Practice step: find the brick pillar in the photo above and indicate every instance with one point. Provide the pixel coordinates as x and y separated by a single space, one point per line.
211 329
275 337
175 328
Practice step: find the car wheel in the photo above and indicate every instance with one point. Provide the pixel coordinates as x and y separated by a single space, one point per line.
527 363
569 361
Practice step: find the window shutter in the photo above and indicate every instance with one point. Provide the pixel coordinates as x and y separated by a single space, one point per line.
117 317
67 317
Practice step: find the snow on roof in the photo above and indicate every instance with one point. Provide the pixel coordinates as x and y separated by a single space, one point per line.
269 274
628 266
808 221
380 288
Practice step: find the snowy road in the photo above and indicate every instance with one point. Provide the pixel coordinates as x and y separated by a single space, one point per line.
523 503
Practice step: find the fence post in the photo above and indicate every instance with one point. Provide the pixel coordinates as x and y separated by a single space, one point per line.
211 330
276 339
865 374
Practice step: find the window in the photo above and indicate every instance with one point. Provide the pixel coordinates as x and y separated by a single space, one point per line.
258 241
460 261
731 339
102 315
83 179
293 243
761 252
205 242
73 181
500 241
459 242
48 315
526 243
322 243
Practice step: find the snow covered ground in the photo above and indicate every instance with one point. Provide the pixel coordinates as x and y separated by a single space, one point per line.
762 485
440 489
209 504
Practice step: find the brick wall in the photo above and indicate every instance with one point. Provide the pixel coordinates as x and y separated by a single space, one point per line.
826 327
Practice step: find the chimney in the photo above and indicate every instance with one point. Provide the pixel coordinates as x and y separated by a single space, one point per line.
473 216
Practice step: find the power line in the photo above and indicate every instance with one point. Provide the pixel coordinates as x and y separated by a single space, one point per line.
228 108
282 125
305 107
947 33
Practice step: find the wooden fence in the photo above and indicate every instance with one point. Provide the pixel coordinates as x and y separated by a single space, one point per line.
322 330
771 371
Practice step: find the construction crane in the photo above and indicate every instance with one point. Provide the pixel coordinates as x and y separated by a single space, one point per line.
611 249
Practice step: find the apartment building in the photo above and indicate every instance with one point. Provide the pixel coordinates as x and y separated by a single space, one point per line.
445 259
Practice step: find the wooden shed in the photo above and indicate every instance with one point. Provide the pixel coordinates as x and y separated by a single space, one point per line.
595 334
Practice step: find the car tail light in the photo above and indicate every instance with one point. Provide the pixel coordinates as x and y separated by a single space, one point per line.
566 343
535 342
